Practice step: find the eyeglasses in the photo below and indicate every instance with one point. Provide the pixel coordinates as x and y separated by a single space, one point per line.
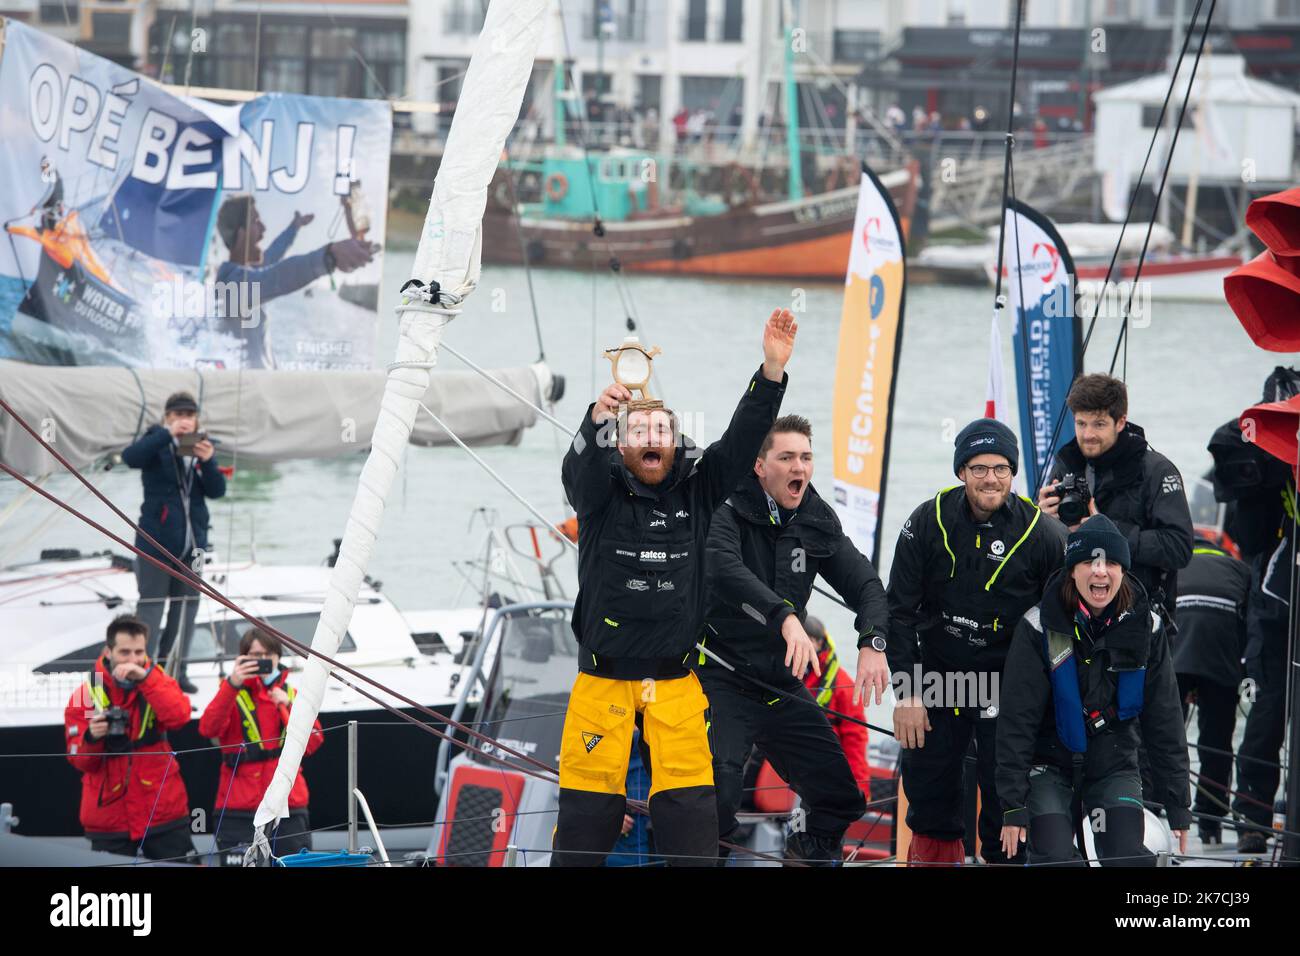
982 471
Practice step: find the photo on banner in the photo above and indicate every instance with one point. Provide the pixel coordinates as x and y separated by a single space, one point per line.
117 250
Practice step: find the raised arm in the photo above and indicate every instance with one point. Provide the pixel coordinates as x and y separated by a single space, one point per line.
728 459
142 451
586 471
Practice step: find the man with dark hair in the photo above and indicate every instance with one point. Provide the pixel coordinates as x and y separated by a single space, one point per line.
179 478
1135 486
968 564
132 796
643 517
769 542
258 276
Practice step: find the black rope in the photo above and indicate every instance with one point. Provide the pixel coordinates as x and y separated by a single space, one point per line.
1128 213
1006 160
1164 176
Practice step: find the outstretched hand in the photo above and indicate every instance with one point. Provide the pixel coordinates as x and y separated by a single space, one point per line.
778 343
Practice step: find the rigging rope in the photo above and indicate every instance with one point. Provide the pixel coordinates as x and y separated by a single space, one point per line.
528 765
1164 176
1119 241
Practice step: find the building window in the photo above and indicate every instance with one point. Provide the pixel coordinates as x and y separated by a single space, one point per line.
856 46
283 76
464 16
696 27
733 21
58 13
648 87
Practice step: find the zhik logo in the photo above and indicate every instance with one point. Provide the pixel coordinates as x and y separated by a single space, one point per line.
73 909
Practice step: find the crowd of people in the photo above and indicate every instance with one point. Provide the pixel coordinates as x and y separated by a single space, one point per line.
1052 637
133 795
1062 640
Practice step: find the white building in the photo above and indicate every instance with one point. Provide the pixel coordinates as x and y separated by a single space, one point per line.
722 55
1236 126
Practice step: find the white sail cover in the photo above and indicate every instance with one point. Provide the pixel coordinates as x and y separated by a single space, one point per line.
89 412
448 254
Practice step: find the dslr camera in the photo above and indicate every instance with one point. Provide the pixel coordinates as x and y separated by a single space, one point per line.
117 718
1074 495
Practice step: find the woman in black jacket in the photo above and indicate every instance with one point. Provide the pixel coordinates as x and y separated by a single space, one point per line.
178 481
1086 669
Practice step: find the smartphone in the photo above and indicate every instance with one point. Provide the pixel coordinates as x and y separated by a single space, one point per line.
264 665
187 441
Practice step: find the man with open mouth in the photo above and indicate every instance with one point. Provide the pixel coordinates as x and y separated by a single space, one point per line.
969 563
769 542
645 497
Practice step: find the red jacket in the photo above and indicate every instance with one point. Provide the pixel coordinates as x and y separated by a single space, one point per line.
853 737
226 720
120 792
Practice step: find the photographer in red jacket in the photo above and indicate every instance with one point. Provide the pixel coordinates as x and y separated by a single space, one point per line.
133 799
248 718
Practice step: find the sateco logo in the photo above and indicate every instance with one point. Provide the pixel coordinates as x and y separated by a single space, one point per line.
654 555
103 909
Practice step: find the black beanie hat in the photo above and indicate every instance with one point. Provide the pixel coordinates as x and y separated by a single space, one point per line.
1097 537
986 436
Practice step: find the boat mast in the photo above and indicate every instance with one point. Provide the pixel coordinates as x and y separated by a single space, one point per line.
791 105
558 86
446 270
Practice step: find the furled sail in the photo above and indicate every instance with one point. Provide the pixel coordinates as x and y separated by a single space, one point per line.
446 269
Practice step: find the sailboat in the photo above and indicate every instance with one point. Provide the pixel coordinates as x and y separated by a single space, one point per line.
596 205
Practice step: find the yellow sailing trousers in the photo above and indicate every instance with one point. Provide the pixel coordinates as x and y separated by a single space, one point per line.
597 741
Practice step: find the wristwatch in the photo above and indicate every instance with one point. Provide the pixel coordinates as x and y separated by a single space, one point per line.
877 643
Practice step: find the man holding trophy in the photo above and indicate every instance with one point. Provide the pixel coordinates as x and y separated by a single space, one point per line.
643 516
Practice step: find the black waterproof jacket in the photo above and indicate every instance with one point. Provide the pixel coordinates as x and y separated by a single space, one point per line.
1212 594
943 611
1027 734
640 603
163 512
1142 492
758 572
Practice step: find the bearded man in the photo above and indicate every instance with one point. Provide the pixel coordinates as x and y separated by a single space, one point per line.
644 512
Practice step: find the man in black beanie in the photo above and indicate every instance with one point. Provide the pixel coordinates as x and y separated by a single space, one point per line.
968 564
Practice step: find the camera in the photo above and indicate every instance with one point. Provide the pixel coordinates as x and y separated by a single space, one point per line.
1074 495
117 718
186 442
